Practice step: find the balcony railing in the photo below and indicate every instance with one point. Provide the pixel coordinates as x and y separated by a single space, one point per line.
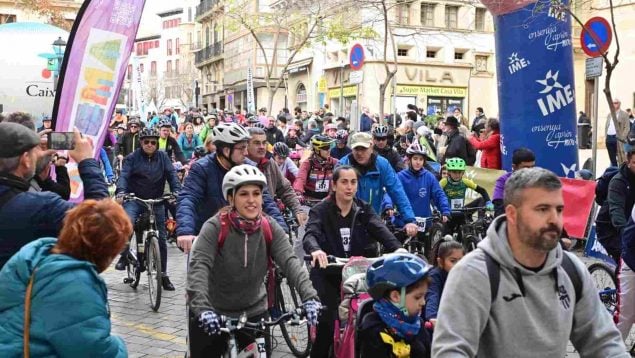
209 52
204 7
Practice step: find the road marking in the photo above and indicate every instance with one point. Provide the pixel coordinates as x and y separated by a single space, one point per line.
149 330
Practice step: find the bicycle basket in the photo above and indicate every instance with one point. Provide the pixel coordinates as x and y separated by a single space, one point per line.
354 266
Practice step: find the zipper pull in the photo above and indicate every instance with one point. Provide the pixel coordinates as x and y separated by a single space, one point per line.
245 260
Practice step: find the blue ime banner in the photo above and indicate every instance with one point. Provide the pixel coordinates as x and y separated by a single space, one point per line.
536 85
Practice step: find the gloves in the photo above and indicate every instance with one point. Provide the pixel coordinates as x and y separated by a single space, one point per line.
210 322
489 206
312 309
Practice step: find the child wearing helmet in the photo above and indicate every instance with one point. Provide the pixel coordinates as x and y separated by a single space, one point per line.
287 167
313 181
227 277
398 284
455 187
341 145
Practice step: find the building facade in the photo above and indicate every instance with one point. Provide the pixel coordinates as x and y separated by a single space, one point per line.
11 11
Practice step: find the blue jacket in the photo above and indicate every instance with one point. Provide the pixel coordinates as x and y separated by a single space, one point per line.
379 176
103 156
202 197
188 147
69 306
438 276
420 188
31 215
366 123
146 176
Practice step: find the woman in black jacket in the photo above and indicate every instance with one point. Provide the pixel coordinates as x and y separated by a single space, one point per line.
343 226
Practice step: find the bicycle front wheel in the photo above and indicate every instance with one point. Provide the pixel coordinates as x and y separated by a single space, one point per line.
470 242
153 262
297 337
606 284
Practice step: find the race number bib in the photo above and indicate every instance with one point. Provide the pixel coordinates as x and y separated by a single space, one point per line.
322 186
456 203
345 233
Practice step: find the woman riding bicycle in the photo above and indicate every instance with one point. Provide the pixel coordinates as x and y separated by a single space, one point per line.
314 178
227 278
343 226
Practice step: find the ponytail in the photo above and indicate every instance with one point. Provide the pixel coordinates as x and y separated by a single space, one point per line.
443 248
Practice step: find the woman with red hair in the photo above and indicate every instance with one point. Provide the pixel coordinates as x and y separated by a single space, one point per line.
52 300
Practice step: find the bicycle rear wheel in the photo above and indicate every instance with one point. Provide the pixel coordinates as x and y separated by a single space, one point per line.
297 337
606 284
435 233
153 262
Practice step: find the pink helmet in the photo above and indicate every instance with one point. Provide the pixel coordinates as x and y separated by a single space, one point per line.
330 126
295 155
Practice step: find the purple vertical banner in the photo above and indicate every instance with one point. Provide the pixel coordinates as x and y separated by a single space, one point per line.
93 70
534 65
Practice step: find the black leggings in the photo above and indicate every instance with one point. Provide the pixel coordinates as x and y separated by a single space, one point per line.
204 345
327 283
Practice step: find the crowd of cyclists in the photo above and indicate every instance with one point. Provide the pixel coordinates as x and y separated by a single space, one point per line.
354 193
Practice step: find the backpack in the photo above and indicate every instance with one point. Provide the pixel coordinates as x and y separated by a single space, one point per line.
268 234
493 271
602 185
605 232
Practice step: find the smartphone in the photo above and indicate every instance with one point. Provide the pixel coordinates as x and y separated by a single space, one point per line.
61 140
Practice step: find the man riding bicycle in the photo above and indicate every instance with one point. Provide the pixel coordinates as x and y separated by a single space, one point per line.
343 226
380 140
314 178
144 174
201 196
168 144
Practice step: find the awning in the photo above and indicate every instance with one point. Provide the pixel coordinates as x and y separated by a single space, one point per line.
299 66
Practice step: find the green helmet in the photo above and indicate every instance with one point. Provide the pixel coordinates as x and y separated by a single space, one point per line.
456 164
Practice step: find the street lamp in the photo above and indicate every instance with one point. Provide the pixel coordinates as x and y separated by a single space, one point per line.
59 46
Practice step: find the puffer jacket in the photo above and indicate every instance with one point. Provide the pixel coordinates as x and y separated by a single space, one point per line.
491 148
314 178
375 177
201 197
69 306
278 184
145 176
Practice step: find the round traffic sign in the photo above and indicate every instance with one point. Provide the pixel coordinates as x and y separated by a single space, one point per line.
596 36
356 57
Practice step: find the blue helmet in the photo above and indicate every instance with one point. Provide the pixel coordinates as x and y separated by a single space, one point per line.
395 271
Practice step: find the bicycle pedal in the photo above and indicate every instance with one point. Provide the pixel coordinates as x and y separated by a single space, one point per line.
128 280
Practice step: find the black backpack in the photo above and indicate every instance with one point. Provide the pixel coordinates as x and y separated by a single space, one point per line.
605 232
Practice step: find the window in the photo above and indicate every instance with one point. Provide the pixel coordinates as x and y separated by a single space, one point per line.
403 12
431 54
481 63
139 49
153 68
451 16
129 72
169 66
141 67
7 18
156 44
169 47
176 66
427 14
479 21
178 45
402 52
459 54
189 14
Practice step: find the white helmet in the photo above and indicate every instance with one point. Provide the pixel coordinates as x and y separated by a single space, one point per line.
423 131
416 148
241 175
229 133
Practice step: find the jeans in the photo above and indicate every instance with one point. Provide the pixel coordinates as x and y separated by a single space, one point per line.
327 283
611 147
134 210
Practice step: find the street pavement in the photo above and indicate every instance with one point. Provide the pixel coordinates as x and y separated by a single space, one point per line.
163 333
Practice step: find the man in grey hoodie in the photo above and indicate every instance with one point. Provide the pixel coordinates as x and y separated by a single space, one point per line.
536 312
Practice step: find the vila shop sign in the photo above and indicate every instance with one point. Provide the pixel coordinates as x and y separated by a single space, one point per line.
431 91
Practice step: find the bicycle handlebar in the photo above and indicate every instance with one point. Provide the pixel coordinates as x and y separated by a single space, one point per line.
234 324
132 197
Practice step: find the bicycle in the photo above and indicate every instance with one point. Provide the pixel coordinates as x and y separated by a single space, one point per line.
471 232
430 230
143 253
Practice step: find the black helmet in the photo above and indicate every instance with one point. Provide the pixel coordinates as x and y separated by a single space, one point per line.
281 149
164 123
200 152
381 131
149 133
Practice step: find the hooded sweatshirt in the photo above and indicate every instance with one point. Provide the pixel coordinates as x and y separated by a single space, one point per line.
529 317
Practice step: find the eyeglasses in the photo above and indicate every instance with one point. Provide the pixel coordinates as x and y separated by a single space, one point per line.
152 142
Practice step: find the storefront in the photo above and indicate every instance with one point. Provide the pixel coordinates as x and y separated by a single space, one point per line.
433 99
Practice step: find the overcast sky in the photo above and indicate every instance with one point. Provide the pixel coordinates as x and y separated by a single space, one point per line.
150 21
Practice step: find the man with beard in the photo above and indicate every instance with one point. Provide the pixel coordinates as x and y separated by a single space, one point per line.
25 215
526 296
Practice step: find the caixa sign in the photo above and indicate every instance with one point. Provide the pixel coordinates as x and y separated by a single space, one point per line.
35 90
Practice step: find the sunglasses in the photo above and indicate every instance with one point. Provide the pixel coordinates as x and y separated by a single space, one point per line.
134 126
153 142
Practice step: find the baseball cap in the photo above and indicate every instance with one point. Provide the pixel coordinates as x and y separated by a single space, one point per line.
361 139
16 139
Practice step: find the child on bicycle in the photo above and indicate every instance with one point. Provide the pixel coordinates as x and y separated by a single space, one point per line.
455 187
398 285
447 253
228 279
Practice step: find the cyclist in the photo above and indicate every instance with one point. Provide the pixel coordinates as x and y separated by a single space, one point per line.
398 284
287 167
229 280
343 226
377 174
129 142
201 196
144 174
330 130
420 185
314 178
276 182
381 147
292 140
455 187
446 253
341 148
168 144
